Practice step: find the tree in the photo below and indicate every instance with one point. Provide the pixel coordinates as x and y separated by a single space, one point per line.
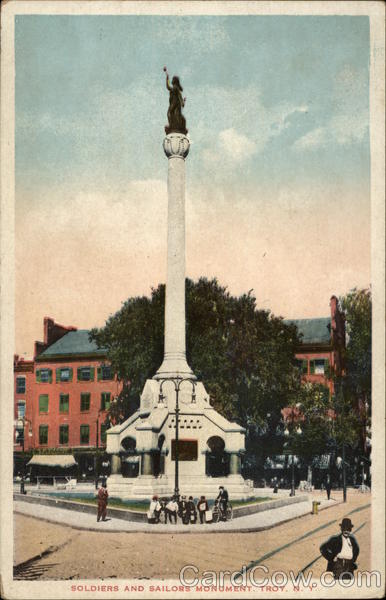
353 388
313 414
357 380
244 356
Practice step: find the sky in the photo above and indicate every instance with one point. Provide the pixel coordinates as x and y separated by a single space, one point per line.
277 178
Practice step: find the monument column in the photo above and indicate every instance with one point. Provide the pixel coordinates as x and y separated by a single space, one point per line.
234 463
115 464
146 464
176 147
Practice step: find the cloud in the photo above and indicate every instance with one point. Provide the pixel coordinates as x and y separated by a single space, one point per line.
343 130
349 129
236 145
313 139
234 124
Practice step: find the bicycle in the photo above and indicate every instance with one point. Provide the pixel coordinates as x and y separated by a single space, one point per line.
218 513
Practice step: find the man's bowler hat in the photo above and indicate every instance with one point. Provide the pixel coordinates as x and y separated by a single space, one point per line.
346 524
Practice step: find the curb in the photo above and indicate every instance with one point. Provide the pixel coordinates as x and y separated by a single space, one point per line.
141 517
188 531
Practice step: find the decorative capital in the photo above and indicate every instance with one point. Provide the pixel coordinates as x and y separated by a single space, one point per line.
176 145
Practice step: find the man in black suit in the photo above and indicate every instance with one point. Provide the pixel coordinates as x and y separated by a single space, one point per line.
341 552
328 487
222 499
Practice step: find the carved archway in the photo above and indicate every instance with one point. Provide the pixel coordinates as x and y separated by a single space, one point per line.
129 457
158 457
217 462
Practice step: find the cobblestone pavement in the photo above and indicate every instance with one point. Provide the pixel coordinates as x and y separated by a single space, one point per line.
147 555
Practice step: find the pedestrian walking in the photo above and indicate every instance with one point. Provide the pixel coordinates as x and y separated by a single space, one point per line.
202 508
328 487
102 503
341 552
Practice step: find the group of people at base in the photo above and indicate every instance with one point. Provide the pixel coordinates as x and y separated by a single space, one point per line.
168 509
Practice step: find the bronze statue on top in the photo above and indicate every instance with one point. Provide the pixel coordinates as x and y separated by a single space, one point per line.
177 123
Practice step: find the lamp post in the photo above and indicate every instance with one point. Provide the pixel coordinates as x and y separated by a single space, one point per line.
177 382
298 431
24 420
96 451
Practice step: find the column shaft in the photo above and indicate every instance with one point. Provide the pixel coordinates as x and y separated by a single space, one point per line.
115 464
176 147
234 464
146 464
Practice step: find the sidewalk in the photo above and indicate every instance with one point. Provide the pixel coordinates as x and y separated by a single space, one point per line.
254 522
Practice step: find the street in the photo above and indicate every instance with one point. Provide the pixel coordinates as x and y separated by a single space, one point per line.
74 554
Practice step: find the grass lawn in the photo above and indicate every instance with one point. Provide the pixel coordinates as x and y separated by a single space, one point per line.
114 503
250 501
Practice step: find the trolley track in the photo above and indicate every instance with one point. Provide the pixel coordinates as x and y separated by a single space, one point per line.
32 568
299 539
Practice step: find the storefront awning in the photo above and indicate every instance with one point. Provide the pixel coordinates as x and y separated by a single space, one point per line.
52 460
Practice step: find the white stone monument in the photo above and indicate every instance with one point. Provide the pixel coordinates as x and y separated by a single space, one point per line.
143 449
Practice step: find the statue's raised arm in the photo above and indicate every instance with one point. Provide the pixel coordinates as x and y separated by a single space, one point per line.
176 119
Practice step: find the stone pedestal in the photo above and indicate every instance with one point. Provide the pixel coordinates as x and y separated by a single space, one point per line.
176 147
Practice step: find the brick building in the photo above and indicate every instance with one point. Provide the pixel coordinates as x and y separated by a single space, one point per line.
321 352
62 396
23 389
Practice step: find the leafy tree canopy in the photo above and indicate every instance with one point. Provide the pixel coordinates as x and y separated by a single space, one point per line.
310 421
244 356
357 307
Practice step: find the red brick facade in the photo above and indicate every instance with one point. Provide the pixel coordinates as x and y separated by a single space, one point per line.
331 352
67 404
66 395
23 414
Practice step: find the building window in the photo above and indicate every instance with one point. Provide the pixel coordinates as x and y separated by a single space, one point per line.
63 434
84 434
20 385
43 434
20 410
103 433
64 402
64 374
105 400
319 366
19 438
302 366
86 373
85 402
43 403
105 373
44 375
